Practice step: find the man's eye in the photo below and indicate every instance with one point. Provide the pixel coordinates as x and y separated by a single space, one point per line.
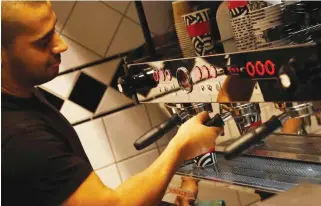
45 42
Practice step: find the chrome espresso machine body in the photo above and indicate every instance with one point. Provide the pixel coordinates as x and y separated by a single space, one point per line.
266 157
289 78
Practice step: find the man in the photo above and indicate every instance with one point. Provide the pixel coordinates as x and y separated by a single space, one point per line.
43 162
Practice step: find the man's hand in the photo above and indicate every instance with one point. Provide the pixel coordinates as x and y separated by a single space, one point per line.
194 138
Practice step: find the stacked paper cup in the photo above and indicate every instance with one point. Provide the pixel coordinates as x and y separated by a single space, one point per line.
180 8
267 26
241 25
199 29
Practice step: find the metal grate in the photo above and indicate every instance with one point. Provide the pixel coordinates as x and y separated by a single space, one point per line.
268 174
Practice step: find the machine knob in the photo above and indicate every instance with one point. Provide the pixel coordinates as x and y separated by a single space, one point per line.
168 75
287 75
129 85
162 75
196 74
212 71
205 72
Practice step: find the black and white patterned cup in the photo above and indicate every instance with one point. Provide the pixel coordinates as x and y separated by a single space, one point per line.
206 159
199 29
247 116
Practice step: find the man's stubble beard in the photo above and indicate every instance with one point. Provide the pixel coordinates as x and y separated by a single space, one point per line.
25 76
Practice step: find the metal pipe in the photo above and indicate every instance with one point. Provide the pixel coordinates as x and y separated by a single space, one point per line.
145 28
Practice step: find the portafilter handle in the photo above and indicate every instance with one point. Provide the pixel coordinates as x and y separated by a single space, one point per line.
157 132
250 139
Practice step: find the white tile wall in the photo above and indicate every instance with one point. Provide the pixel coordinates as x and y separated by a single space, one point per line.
118 5
62 10
159 15
76 55
137 164
109 176
112 99
62 85
124 128
132 12
158 115
74 112
103 72
95 142
89 32
128 36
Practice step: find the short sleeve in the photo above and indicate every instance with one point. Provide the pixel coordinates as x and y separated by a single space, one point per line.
41 168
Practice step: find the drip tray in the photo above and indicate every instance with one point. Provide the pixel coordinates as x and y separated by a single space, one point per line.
307 149
272 175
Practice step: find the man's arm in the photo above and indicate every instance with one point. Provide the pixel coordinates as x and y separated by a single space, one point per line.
149 186
145 188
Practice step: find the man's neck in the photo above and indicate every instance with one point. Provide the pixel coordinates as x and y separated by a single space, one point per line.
16 91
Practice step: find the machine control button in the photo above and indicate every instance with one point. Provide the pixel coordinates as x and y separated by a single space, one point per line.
212 71
162 76
205 72
168 75
196 74
156 75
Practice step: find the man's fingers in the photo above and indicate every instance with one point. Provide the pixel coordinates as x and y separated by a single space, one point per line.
202 117
216 131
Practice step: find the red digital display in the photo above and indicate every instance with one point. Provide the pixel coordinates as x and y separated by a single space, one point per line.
260 69
269 67
250 69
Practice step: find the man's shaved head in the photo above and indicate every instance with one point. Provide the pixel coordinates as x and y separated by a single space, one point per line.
10 24
30 47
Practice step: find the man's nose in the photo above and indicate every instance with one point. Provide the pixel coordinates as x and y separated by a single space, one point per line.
59 45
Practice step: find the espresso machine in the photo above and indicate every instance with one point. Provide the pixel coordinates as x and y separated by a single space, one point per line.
266 157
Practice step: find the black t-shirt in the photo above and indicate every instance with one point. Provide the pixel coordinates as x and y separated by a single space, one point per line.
43 161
